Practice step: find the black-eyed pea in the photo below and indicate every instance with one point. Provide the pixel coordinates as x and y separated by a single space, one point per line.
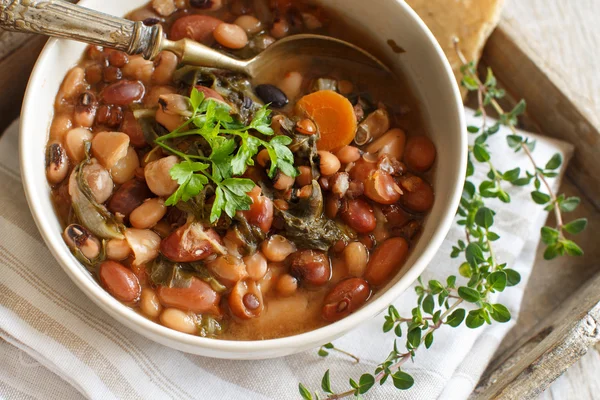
164 67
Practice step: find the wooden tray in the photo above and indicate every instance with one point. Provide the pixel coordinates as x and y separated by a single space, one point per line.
560 317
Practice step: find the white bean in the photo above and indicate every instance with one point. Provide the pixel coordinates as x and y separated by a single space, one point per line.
178 320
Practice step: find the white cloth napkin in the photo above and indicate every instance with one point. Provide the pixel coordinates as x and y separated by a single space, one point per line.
59 345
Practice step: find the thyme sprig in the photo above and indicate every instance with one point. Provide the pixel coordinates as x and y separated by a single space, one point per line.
447 303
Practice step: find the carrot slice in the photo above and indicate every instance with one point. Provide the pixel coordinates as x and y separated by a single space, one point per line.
334 116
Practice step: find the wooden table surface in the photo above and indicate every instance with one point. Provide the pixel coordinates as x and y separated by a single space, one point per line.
567 34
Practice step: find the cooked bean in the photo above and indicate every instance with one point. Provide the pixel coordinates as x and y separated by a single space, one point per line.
305 176
246 300
164 7
75 143
199 297
387 259
125 168
118 58
420 153
382 188
179 321
95 53
231 36
150 304
271 94
57 163
282 181
277 248
110 116
99 181
139 68
418 194
128 197
358 215
339 183
158 176
132 128
169 121
78 237
345 298
310 266
345 87
85 110
281 204
119 281
191 243
261 211
122 93
110 147
280 28
362 169
117 249
348 154
287 285
228 269
263 158
376 124
144 244
328 163
151 98
306 127
112 74
164 67
249 24
148 213
197 27
356 257
94 74
210 93
211 5
291 84
74 83
256 265
332 206
391 143
61 124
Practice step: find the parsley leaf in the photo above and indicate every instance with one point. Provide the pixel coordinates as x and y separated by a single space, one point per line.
231 196
281 156
190 183
261 121
247 150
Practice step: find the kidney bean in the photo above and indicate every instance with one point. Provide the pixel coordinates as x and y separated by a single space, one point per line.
199 297
122 93
362 169
332 206
261 211
358 215
112 74
387 259
57 163
197 27
128 197
119 281
118 58
93 74
345 297
418 194
310 266
420 153
382 188
190 243
246 300
110 116
271 94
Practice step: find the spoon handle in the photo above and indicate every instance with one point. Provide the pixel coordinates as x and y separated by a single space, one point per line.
61 19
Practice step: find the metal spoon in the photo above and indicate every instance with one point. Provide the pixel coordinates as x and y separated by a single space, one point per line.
61 19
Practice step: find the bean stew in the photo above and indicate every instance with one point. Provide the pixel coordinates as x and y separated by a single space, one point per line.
227 208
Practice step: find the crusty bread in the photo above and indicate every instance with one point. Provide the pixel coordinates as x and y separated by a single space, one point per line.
471 21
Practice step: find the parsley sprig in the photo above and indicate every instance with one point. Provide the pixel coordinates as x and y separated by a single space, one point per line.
233 147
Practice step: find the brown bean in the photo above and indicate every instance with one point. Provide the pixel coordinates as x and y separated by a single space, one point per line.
132 128
197 27
246 300
305 176
110 116
190 243
418 194
348 154
362 169
231 36
306 127
128 197
382 188
147 214
358 215
420 153
345 87
345 298
387 259
57 163
280 28
199 297
112 74
117 249
332 206
249 24
310 266
356 257
282 181
122 93
228 269
328 163
119 281
118 58
277 248
93 74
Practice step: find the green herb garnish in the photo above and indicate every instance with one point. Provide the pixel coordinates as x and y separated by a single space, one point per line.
233 146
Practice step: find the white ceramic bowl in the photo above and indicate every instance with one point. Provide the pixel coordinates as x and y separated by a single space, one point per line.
430 75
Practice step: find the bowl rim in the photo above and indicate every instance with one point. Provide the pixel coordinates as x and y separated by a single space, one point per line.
152 329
